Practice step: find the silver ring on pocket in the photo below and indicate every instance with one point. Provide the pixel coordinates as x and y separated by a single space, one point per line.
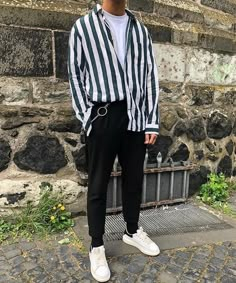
99 113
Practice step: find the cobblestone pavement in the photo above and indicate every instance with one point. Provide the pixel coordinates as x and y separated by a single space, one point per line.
46 262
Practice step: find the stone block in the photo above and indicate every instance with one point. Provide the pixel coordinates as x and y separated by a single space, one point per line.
217 43
50 91
181 154
25 52
159 33
61 49
225 6
14 91
179 13
16 193
142 5
219 125
5 154
205 67
180 37
171 62
42 154
37 18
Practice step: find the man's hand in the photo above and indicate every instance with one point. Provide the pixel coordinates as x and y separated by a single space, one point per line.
150 138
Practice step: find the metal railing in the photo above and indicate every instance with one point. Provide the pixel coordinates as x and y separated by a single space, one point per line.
163 183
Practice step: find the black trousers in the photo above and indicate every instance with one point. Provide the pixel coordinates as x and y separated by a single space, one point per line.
109 137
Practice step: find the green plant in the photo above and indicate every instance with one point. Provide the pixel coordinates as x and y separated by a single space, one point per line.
47 217
215 190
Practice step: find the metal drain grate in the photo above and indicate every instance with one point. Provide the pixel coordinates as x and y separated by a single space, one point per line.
173 220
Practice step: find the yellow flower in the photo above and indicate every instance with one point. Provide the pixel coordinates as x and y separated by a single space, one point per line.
54 208
63 207
59 205
52 217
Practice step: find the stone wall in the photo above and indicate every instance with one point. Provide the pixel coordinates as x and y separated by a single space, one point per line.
195 46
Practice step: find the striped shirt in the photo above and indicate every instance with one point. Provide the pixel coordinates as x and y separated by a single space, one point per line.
96 74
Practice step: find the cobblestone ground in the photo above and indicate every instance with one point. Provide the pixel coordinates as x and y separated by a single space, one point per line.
46 262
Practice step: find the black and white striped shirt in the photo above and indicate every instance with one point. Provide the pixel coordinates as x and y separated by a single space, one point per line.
96 75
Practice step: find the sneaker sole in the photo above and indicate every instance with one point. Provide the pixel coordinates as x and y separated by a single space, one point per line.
99 279
128 241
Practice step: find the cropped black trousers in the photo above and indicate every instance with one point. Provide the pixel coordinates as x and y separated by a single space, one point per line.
109 138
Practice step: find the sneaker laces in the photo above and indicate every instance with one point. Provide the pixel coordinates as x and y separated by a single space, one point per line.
143 236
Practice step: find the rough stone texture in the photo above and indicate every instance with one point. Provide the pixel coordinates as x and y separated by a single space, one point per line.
230 147
218 125
37 18
202 96
180 13
14 91
225 6
48 261
61 49
216 43
51 92
25 52
141 5
160 33
42 154
196 129
199 154
180 128
197 178
73 126
16 193
225 166
5 154
181 154
162 145
80 159
169 119
18 122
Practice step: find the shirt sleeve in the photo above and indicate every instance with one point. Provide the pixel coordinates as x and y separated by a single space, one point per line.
76 71
152 92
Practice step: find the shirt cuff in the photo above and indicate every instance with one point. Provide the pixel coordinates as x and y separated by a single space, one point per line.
152 129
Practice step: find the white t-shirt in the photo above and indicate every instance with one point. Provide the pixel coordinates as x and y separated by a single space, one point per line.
118 26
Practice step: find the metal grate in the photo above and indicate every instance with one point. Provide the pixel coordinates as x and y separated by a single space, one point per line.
176 219
163 183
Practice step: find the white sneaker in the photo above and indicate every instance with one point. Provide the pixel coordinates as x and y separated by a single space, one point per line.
98 264
141 241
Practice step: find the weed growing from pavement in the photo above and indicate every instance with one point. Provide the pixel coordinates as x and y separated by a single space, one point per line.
49 216
216 193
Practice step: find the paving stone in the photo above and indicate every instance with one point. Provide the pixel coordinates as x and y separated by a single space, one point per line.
192 274
18 269
214 261
180 261
136 267
209 275
26 246
184 254
162 259
200 257
174 269
196 265
12 253
220 251
16 260
147 278
153 268
227 279
232 252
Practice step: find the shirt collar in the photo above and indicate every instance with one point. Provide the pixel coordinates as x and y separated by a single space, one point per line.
98 8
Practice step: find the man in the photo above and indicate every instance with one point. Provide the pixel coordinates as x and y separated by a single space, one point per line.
114 86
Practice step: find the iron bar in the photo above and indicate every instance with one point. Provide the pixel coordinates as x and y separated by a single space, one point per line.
144 191
114 195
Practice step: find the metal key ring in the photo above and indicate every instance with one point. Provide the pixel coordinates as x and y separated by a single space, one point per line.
101 108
